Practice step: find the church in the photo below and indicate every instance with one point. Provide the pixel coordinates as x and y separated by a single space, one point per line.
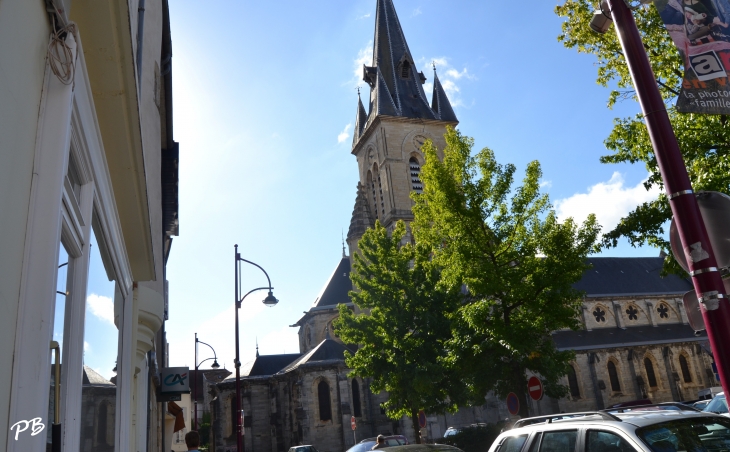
636 342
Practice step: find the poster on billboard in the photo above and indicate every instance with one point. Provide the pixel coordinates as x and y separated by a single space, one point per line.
701 31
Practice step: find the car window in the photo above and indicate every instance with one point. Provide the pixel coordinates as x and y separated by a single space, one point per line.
717 405
688 435
512 444
401 441
601 441
561 441
392 442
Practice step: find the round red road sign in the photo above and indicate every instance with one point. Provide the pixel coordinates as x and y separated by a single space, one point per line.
534 388
513 404
422 419
353 423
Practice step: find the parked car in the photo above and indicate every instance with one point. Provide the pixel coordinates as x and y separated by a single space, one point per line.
701 404
718 405
368 443
303 449
451 431
622 430
425 448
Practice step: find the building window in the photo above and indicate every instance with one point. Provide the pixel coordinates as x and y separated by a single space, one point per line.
649 366
323 394
371 183
613 377
416 184
234 416
599 314
663 311
684 365
632 312
356 398
382 202
573 383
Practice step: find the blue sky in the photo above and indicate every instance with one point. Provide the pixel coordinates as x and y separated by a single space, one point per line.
264 103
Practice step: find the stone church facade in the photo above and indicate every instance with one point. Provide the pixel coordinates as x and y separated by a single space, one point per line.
630 313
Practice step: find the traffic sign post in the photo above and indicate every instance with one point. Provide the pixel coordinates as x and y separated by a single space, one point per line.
513 404
422 419
534 388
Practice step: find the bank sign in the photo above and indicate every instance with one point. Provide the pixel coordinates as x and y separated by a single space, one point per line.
701 31
175 379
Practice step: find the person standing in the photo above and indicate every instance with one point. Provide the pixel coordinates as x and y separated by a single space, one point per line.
380 442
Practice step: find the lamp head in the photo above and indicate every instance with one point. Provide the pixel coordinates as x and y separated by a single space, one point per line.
270 300
600 23
215 364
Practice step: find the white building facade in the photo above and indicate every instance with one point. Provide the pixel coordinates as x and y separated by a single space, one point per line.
86 151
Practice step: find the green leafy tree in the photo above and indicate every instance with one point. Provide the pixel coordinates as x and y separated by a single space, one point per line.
403 324
703 139
518 262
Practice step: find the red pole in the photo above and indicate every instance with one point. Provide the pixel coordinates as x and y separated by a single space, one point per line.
700 256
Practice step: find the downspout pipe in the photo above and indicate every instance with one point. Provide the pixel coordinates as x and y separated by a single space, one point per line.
140 42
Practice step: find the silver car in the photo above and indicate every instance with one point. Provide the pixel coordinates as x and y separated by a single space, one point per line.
635 429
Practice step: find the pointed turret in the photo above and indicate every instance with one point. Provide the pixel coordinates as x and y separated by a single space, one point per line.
440 103
393 73
360 120
361 217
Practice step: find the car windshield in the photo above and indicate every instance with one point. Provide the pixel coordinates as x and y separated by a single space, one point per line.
717 405
703 434
362 447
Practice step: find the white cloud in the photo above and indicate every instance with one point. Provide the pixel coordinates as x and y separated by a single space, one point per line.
345 134
364 16
364 57
453 73
609 201
87 347
101 307
546 184
417 12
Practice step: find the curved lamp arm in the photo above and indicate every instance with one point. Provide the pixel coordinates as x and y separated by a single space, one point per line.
201 342
252 291
238 256
206 359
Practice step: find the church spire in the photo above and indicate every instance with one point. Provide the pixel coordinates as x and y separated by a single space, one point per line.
360 120
393 73
440 103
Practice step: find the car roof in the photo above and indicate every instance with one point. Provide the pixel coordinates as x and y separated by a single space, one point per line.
635 418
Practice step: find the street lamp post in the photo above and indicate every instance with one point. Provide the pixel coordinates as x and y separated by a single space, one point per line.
270 301
215 365
706 278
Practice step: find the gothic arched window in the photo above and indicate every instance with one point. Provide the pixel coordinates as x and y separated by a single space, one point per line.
415 170
613 377
650 375
684 365
323 395
382 201
371 186
102 426
356 410
573 383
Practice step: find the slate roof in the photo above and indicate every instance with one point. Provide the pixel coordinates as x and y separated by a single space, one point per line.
329 351
269 364
361 218
92 377
628 337
625 276
337 288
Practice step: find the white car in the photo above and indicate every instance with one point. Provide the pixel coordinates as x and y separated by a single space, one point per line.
636 429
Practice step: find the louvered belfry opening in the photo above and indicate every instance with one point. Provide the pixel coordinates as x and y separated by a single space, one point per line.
416 184
405 70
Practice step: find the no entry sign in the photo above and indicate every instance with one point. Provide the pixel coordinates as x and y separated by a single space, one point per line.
353 423
513 404
534 388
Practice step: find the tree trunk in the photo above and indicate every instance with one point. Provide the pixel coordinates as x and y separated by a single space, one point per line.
521 389
416 427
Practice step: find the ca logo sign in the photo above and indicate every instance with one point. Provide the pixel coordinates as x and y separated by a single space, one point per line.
36 427
173 379
707 66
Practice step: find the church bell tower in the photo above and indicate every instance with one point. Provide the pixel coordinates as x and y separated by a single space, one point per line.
389 135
